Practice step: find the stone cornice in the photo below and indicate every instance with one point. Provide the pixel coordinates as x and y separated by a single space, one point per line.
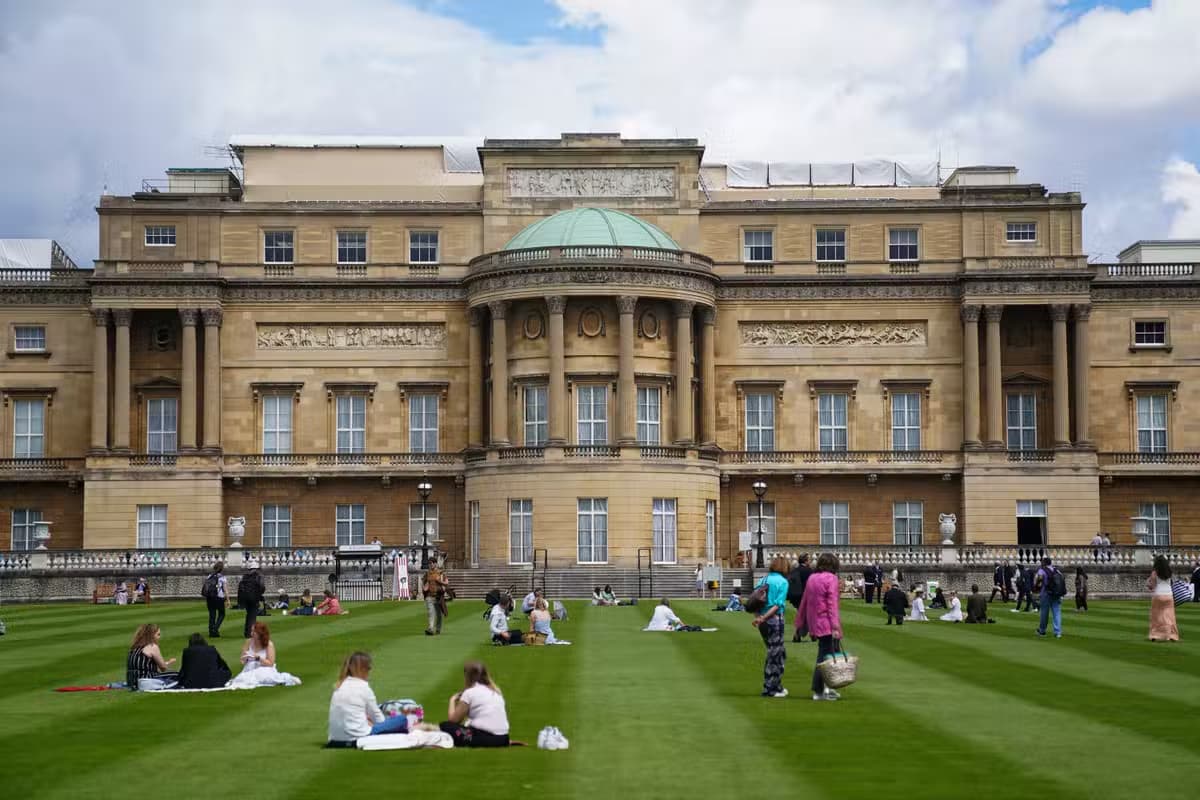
841 289
1107 292
350 292
532 282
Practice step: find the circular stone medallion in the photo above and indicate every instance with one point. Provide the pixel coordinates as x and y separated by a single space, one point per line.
591 322
533 325
649 325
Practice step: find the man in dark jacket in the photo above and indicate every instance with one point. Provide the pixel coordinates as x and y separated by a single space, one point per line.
868 574
202 666
976 607
1196 583
894 603
797 579
999 584
250 594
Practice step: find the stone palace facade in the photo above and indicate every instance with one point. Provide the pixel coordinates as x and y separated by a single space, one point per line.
593 347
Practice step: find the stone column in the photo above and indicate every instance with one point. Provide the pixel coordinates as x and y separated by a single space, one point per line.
212 378
684 433
100 379
1062 399
626 383
556 392
499 374
970 318
187 383
1083 367
708 376
474 377
122 318
995 390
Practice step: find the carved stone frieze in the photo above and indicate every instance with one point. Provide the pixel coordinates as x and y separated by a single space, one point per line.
351 337
591 277
1101 292
172 291
840 291
1028 287
832 334
354 294
524 182
31 296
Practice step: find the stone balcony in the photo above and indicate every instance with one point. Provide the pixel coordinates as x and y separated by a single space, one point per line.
340 465
1114 463
838 462
41 469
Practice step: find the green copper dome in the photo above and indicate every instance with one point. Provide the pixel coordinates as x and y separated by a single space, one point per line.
591 226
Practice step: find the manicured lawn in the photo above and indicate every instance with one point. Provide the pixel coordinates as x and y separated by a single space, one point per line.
940 711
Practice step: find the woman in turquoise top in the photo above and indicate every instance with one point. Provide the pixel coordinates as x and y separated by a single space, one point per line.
770 627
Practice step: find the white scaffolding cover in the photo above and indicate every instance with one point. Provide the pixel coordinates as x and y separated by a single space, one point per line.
874 172
746 174
459 153
914 173
869 172
789 173
832 174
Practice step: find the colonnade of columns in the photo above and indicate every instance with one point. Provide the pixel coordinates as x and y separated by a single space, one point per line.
121 319
993 437
625 416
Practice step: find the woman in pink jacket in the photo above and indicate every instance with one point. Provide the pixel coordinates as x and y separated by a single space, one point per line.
818 616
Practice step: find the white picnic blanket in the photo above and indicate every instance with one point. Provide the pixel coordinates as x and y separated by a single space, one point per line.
406 741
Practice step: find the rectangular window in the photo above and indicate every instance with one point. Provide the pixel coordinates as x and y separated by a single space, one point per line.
907 522
1158 522
160 235
592 516
276 526
664 538
24 525
536 431
423 423
835 523
758 246
351 423
906 421
593 414
351 247
473 514
833 432
902 244
649 415
29 428
431 522
710 529
1152 423
1150 333
422 247
277 423
1022 422
162 425
831 244
1031 508
760 422
768 522
350 526
520 531
1021 232
29 338
151 527
278 247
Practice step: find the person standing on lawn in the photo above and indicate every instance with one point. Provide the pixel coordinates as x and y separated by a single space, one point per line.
797 578
894 603
433 589
1051 586
214 591
868 574
1081 589
770 627
1163 627
819 609
251 590
999 583
1196 583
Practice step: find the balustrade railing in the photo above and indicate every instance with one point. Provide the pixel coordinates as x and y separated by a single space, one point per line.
1030 455
863 555
1175 270
834 456
36 275
153 460
536 255
517 453
14 562
271 557
102 560
983 555
661 452
340 459
1175 457
591 451
39 465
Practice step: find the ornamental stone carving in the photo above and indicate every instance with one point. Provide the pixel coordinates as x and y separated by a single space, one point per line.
498 308
189 317
591 182
213 317
591 322
1083 312
683 308
525 279
351 337
626 304
1044 287
556 303
474 316
174 291
33 296
970 313
993 313
122 317
1059 312
534 325
99 317
708 315
841 291
832 334
352 294
648 326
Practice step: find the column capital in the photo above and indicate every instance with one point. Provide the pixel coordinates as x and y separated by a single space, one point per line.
1082 312
212 317
626 303
683 308
1059 312
189 317
474 316
122 317
556 303
970 313
993 313
99 317
498 308
708 315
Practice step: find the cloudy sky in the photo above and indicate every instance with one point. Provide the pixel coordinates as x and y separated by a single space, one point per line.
1100 96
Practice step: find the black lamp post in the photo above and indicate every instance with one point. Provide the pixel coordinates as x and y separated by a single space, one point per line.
424 488
760 488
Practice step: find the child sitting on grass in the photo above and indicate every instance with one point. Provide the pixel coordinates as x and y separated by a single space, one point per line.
734 604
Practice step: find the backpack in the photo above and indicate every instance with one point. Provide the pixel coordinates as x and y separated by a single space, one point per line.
249 591
209 590
1056 583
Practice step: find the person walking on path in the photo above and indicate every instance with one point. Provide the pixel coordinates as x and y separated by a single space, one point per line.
1081 589
797 578
999 584
770 627
1162 603
1051 586
251 590
214 592
868 574
819 610
433 589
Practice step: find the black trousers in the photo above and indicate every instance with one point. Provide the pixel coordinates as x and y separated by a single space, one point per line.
824 648
1195 592
470 737
869 591
1002 590
898 617
514 637
251 617
216 615
1081 601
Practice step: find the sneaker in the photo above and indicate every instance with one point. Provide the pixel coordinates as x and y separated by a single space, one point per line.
823 696
1058 636
1042 634
832 695
781 693
1015 610
429 633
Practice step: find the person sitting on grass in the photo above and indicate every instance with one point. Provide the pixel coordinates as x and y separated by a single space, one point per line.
259 663
597 597
353 710
734 604
977 607
476 716
895 601
539 621
305 607
283 602
498 623
939 598
141 591
330 605
202 666
145 667
664 618
608 598
955 613
918 606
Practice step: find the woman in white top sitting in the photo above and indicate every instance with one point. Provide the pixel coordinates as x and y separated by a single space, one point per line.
258 662
477 716
353 710
918 607
539 621
498 623
664 618
955 613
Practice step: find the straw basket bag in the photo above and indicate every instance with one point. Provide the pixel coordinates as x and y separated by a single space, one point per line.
839 669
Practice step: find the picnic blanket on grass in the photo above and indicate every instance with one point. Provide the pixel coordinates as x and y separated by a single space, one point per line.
406 741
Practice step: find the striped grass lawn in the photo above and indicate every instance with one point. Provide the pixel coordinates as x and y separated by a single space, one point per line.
940 710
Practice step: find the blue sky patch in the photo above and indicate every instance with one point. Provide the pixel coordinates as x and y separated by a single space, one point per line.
516 22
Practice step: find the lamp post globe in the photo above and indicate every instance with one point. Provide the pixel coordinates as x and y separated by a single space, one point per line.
424 488
760 488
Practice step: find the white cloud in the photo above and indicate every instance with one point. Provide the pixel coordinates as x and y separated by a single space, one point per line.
1181 190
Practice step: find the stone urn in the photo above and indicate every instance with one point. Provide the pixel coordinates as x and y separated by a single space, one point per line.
237 529
1141 529
41 533
947 525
